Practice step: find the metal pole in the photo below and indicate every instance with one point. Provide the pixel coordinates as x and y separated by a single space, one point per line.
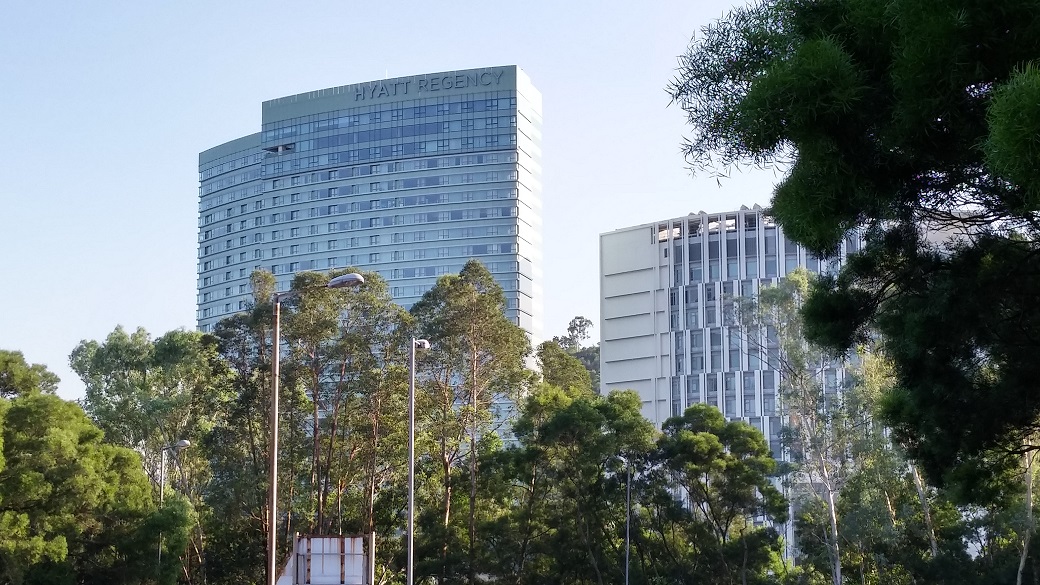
410 568
628 513
162 489
162 476
371 558
272 494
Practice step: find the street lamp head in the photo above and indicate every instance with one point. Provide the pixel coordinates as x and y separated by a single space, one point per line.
421 344
346 280
182 444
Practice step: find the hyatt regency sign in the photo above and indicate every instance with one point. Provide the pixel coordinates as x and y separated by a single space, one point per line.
426 83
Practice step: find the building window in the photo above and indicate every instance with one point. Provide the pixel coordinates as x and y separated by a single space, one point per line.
730 394
693 390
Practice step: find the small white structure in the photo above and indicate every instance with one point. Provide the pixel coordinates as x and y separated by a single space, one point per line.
327 560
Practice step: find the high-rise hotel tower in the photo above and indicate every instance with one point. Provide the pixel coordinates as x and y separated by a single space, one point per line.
409 177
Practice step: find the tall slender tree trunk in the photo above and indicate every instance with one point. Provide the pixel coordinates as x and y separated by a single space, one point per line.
526 539
835 552
370 505
888 501
587 538
326 473
446 469
1028 535
743 564
833 547
473 468
810 431
318 505
926 509
293 472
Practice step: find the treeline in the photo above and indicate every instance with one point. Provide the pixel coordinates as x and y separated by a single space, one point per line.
521 477
574 482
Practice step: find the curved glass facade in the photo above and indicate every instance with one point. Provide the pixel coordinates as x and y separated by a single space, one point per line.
410 177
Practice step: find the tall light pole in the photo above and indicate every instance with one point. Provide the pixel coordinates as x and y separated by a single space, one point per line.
410 566
628 514
176 448
343 281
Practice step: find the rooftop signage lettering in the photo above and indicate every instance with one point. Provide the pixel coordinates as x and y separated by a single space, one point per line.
427 83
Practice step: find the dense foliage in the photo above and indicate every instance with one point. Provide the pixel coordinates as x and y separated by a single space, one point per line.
563 486
916 120
73 508
521 477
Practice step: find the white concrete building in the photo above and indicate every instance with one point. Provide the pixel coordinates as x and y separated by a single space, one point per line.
666 329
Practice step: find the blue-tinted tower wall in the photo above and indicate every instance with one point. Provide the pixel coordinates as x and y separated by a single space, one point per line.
410 177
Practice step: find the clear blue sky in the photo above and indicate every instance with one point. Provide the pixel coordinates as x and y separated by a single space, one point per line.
106 106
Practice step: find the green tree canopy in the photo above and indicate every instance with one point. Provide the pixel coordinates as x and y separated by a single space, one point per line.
561 369
564 504
914 121
474 369
74 509
721 472
577 332
18 378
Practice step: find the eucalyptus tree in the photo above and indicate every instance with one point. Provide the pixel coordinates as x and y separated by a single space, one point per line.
149 394
237 446
564 505
475 367
351 344
825 419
